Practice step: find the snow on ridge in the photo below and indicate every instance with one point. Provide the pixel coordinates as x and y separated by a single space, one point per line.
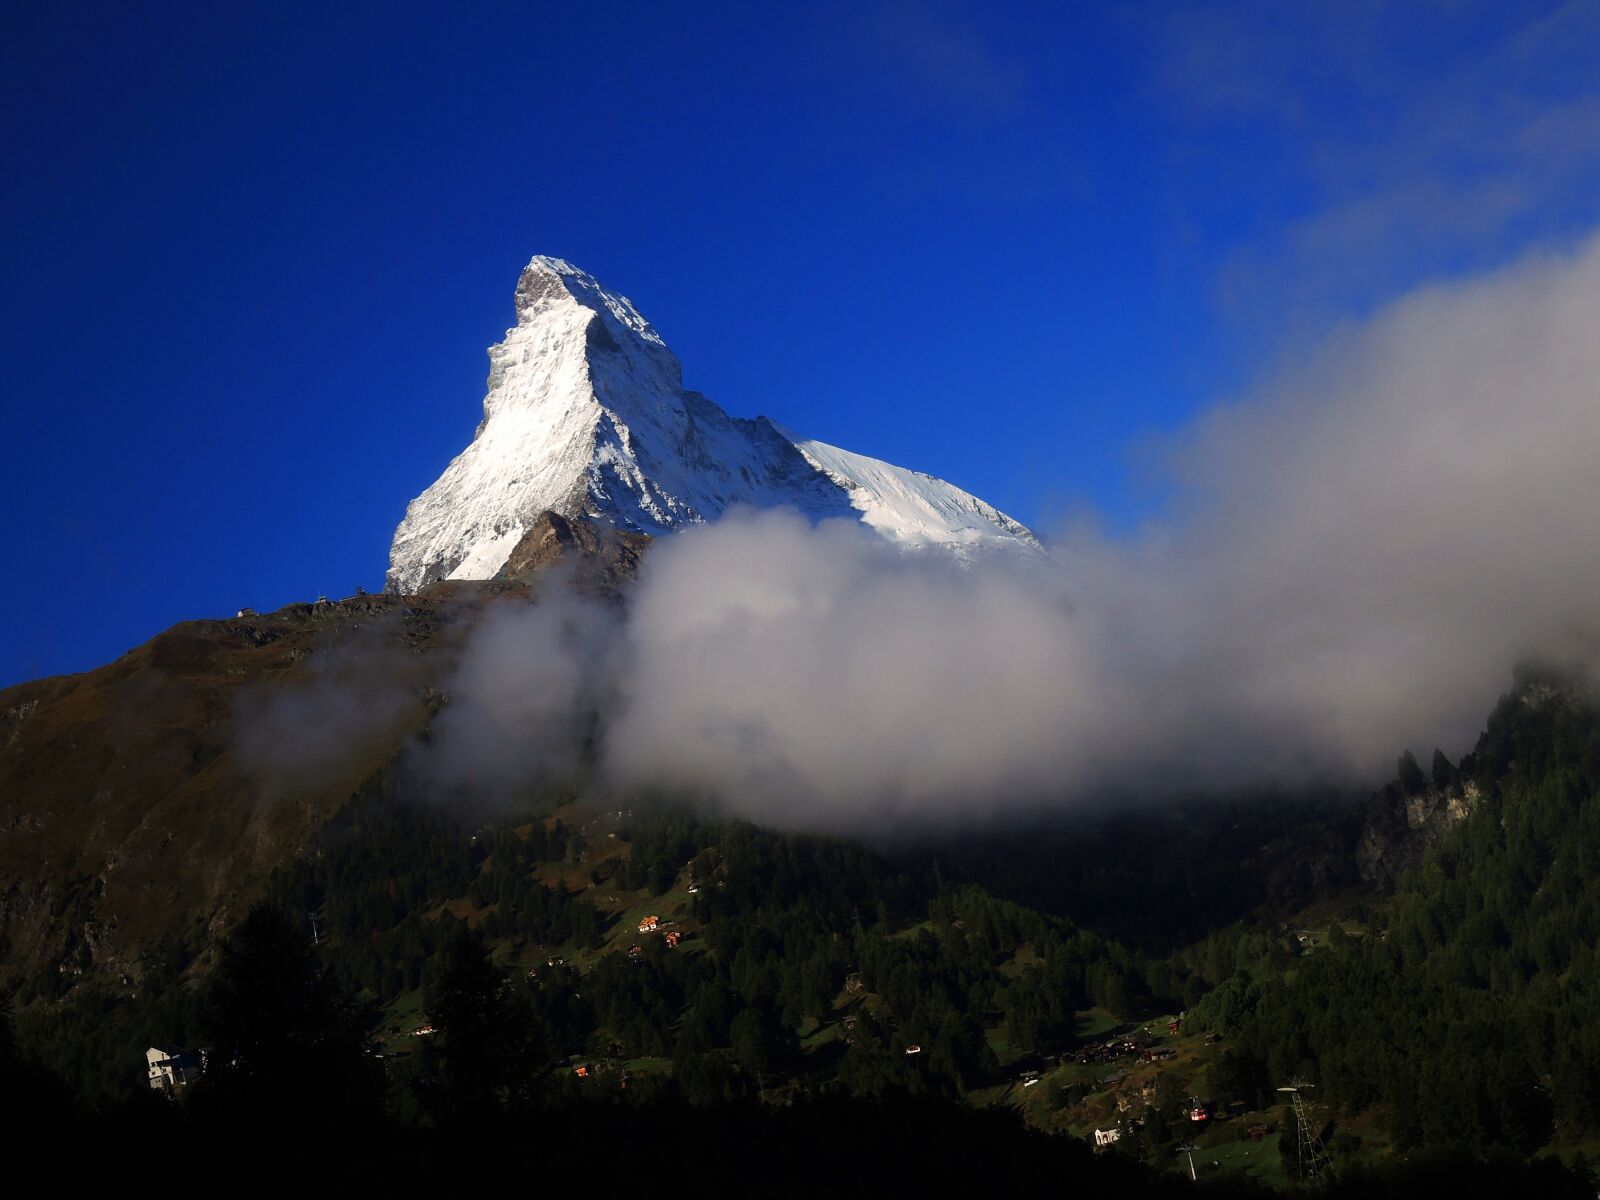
906 506
585 414
589 291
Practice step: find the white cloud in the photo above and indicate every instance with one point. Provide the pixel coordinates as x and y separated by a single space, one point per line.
1360 551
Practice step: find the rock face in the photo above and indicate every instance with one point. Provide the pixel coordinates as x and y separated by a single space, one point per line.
598 558
586 416
1401 828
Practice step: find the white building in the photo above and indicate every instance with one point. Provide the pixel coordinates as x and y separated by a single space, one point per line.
171 1067
1105 1137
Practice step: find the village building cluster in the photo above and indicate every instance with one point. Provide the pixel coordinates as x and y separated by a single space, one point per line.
654 924
1118 1049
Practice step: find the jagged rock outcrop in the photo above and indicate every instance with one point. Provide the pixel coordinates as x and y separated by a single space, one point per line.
600 558
1400 828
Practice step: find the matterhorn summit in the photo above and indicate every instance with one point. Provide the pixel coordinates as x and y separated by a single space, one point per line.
586 416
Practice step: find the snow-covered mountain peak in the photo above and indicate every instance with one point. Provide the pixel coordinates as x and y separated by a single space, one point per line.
586 416
544 276
563 311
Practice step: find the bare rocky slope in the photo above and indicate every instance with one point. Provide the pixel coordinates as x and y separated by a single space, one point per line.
144 799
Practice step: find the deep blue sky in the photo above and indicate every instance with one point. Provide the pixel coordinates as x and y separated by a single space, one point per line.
254 253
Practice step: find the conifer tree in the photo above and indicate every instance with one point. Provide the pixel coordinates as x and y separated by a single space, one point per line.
1443 773
1410 774
487 1051
288 1042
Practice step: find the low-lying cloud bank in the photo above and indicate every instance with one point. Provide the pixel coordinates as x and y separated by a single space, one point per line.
1357 555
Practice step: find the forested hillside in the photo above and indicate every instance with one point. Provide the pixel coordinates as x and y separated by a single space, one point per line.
1465 1009
568 953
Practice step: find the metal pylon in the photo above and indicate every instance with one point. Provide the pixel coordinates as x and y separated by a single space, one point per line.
1311 1157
